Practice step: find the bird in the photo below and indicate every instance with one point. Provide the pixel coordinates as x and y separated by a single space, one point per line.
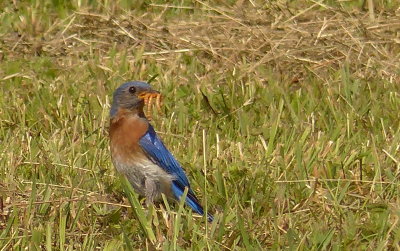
139 154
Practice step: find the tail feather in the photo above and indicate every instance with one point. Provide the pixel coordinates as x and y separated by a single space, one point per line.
191 199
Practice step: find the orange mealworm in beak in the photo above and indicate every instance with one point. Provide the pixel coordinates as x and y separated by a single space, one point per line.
148 99
158 102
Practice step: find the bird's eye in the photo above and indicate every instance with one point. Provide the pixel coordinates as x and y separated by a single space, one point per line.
132 89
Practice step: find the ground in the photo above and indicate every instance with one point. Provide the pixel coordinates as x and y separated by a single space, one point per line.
284 114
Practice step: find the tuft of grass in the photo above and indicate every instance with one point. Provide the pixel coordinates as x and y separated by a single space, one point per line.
139 212
283 114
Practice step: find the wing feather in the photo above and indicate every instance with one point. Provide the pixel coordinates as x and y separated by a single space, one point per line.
156 150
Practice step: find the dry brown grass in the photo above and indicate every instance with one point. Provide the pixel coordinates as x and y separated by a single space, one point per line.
249 43
245 38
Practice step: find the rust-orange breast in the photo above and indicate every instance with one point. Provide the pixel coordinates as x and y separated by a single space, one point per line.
126 129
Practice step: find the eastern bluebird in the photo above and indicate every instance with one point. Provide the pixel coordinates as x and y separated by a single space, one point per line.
139 154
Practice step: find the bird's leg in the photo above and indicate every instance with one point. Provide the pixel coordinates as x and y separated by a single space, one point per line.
152 189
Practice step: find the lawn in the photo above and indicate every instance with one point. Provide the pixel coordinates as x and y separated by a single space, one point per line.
284 114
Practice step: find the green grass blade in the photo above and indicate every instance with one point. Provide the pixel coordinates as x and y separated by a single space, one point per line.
138 211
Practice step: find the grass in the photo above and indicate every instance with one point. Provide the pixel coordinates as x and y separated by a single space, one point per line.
285 117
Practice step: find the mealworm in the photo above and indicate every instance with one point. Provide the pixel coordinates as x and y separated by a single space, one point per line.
149 101
158 102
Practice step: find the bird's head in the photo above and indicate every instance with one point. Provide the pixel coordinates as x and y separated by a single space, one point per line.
133 96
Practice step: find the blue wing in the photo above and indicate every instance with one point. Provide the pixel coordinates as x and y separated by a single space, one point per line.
158 153
154 147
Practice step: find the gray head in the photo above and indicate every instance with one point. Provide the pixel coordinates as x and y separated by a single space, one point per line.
130 96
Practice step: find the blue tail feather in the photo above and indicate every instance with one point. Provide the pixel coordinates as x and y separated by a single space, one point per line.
191 199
